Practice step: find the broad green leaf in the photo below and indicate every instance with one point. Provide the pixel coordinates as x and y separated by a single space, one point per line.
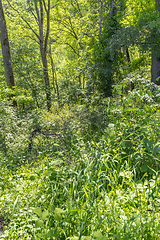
128 143
156 149
58 214
39 223
32 178
58 210
45 214
158 228
144 167
37 211
98 235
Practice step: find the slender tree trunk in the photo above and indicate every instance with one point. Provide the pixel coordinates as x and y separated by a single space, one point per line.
6 52
42 11
6 49
54 76
46 78
43 41
101 18
126 52
55 82
155 67
111 12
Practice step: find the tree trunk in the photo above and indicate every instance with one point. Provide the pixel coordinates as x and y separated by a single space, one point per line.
55 82
46 78
42 11
101 18
6 49
155 67
126 53
43 45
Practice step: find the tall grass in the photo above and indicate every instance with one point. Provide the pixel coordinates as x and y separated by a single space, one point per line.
92 173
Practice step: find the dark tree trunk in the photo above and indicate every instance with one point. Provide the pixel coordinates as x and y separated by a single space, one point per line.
42 11
43 42
126 52
155 67
6 52
6 49
46 78
155 70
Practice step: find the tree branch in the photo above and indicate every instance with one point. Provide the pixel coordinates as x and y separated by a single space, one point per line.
143 8
31 38
75 35
45 6
111 12
101 17
73 49
48 26
34 16
23 19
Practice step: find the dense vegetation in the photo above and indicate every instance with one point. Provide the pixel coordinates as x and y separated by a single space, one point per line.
80 128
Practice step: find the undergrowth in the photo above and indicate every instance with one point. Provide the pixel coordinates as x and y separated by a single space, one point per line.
92 171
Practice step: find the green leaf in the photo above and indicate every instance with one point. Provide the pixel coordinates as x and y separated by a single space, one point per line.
58 210
156 149
144 167
53 176
39 223
32 178
97 235
128 143
37 211
158 228
58 214
45 214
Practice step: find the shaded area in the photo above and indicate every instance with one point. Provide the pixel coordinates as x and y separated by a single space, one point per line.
3 223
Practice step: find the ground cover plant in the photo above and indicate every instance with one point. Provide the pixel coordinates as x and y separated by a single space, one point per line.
92 171
79 119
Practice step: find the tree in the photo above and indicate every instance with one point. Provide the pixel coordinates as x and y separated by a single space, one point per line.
6 52
43 42
6 49
107 54
155 67
144 17
40 11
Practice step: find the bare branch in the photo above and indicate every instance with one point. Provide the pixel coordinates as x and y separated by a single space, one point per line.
23 19
111 12
45 6
143 8
75 35
89 35
37 12
70 30
41 27
28 36
73 49
34 16
48 26
41 13
101 16
78 8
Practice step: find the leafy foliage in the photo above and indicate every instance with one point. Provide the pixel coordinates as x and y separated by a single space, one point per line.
91 170
84 177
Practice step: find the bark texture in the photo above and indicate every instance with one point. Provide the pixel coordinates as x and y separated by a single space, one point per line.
155 67
43 42
6 49
42 9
